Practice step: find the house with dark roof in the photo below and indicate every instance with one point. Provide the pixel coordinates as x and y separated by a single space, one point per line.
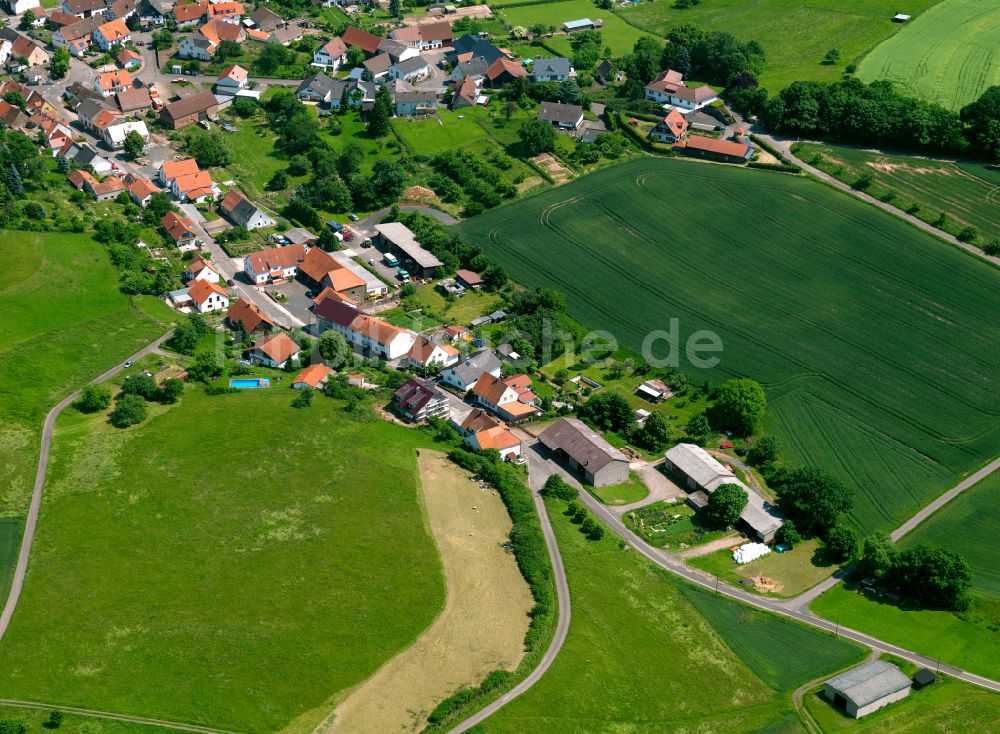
265 19
561 116
415 102
418 400
398 239
470 46
551 70
378 65
410 69
466 373
242 212
190 110
591 458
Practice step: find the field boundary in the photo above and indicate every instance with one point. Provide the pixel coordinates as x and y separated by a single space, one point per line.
110 715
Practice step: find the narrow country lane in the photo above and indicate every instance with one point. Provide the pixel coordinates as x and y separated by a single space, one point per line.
31 521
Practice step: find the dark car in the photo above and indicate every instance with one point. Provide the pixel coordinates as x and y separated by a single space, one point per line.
230 281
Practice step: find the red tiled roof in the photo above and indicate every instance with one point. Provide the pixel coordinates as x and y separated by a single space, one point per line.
362 39
200 291
248 316
279 347
313 375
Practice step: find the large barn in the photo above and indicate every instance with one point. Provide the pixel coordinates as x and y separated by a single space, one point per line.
701 472
867 688
596 461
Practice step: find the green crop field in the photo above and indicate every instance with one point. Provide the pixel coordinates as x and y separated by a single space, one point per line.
970 525
969 642
233 562
946 55
616 33
62 322
640 657
76 724
968 193
869 335
795 34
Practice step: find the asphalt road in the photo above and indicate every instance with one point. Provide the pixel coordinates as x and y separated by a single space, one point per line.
31 522
535 481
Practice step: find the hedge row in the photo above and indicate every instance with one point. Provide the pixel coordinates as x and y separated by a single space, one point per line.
531 554
783 167
761 143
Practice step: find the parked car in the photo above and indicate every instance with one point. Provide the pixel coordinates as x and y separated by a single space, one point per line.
230 282
352 216
334 226
390 260
725 446
129 363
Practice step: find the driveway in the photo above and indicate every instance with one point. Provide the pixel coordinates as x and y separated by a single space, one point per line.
299 303
659 485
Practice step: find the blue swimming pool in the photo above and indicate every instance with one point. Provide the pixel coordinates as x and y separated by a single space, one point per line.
250 383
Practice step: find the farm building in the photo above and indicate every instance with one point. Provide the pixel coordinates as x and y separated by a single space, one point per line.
582 24
867 688
723 151
399 240
189 110
599 463
700 471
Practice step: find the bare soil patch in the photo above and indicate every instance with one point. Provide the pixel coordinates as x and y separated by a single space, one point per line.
482 626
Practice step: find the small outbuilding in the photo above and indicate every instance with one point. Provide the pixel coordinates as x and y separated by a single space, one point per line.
867 688
923 678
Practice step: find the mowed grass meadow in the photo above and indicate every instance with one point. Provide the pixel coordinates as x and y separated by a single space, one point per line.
947 55
232 562
967 193
62 322
617 34
795 34
644 654
871 338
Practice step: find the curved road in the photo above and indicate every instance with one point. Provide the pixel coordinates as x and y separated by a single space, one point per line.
562 625
36 495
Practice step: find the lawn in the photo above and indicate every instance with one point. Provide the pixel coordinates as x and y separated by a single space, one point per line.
971 644
795 34
459 311
226 563
843 313
616 33
970 525
967 193
10 542
640 657
946 706
795 571
947 55
669 525
622 494
64 322
74 724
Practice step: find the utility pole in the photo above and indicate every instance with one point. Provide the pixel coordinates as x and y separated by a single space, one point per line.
836 632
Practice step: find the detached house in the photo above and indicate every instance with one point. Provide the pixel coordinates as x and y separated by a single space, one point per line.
232 79
314 376
424 36
114 33
275 264
668 88
141 190
245 316
201 269
670 129
111 83
84 8
411 69
274 350
496 438
181 230
466 373
76 38
208 296
239 210
22 47
551 70
561 116
426 355
496 395
330 55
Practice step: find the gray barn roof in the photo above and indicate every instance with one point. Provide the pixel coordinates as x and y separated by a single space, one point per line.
482 361
870 682
400 236
581 443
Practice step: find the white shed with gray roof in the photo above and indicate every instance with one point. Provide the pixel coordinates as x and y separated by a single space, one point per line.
397 238
867 688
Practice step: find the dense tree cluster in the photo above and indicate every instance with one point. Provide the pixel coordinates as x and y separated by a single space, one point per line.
725 505
459 171
740 405
814 500
935 577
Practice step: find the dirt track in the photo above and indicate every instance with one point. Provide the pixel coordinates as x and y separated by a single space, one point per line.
483 623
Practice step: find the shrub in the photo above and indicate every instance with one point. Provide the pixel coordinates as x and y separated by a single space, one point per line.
968 234
94 398
992 247
129 411
304 399
556 487
54 721
843 543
